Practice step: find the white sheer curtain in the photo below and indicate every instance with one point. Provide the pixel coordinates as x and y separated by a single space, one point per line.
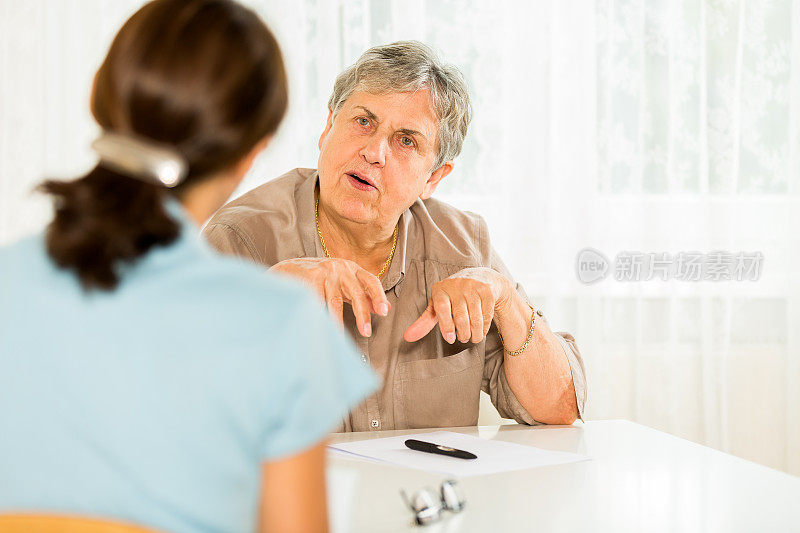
627 125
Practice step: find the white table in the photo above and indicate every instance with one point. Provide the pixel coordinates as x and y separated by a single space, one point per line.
639 479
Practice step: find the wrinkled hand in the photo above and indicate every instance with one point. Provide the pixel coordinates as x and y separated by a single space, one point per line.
338 281
463 305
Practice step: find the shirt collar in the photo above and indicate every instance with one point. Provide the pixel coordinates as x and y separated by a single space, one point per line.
305 200
397 269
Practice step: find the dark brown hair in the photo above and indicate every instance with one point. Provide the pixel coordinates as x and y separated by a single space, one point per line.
205 77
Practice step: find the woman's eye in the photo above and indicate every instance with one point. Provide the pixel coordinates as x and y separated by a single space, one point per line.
362 121
407 141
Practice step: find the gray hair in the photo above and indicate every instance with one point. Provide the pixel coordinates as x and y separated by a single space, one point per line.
407 66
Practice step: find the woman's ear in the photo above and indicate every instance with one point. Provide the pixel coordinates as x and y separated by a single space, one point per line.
436 177
327 128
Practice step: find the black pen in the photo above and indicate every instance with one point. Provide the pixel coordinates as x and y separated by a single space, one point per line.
430 447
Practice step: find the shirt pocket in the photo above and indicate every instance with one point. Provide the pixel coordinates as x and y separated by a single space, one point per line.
440 392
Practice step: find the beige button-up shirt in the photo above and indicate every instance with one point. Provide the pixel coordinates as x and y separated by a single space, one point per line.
428 383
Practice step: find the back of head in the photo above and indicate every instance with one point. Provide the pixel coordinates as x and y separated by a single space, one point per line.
203 79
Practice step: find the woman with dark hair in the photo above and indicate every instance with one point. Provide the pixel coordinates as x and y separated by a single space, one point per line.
143 377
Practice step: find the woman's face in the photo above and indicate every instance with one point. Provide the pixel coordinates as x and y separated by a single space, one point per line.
376 156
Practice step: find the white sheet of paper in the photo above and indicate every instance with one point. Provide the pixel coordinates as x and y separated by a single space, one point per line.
493 455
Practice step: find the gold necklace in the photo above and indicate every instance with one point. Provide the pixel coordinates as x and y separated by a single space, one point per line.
328 254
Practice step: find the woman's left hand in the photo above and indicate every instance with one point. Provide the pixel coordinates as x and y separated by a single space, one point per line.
463 305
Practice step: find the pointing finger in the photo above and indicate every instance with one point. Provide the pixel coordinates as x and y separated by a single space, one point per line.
461 320
372 286
475 319
441 305
361 306
334 300
422 326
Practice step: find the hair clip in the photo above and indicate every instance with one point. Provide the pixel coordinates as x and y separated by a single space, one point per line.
141 159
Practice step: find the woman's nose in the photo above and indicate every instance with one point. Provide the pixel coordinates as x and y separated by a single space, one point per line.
374 151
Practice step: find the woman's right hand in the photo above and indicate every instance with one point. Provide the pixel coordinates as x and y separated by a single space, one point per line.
338 281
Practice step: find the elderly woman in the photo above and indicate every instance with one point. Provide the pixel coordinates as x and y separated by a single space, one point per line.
364 231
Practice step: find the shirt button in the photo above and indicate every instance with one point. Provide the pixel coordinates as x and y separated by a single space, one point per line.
375 423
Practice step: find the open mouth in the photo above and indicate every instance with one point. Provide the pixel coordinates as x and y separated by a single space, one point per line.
360 182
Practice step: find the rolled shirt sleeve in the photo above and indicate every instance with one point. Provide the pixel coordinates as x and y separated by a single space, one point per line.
495 383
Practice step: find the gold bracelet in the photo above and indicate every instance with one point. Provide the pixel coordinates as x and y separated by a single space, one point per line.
527 340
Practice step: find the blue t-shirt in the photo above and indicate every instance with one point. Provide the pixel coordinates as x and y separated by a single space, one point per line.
158 402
